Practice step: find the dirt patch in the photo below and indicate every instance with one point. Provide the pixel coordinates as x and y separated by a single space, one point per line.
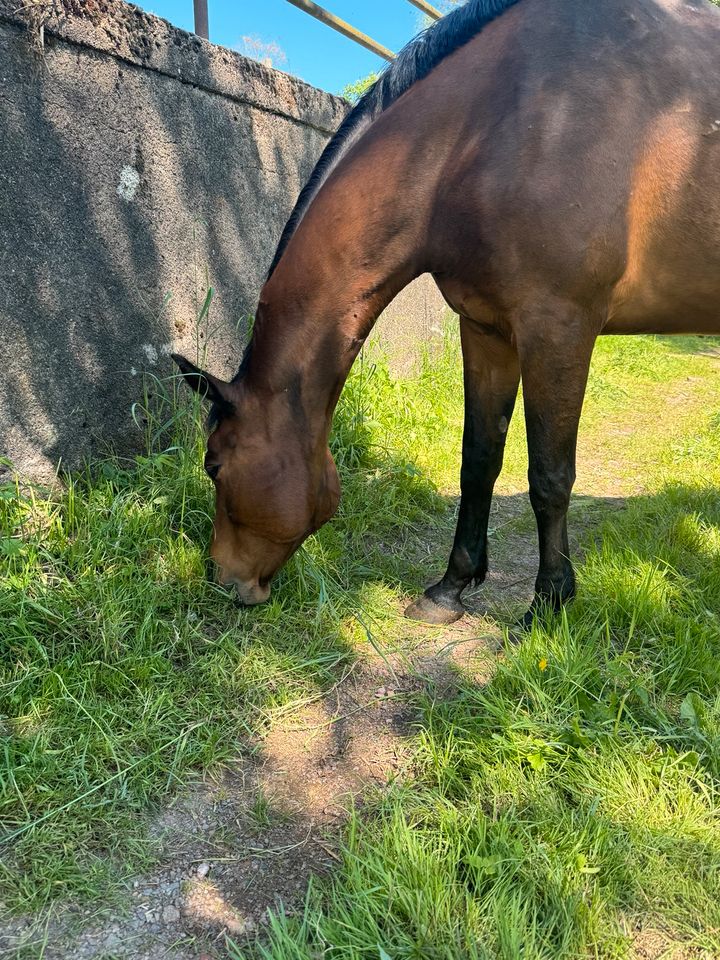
656 944
333 750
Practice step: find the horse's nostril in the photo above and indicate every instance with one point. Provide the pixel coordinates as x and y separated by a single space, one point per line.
249 594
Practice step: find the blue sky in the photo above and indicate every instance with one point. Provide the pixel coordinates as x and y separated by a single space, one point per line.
313 51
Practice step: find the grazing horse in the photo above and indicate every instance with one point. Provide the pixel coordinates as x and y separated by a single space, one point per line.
555 165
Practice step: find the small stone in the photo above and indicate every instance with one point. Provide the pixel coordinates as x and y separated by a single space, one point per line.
203 869
171 914
380 692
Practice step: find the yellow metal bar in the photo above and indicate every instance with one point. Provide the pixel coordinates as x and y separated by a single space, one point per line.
324 16
426 8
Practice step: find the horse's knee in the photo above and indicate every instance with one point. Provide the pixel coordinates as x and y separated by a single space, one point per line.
550 491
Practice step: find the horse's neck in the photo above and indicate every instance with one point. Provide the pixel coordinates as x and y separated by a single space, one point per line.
341 268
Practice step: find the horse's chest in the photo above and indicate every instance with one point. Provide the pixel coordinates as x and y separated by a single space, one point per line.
465 300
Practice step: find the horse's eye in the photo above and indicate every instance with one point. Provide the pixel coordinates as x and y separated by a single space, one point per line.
213 470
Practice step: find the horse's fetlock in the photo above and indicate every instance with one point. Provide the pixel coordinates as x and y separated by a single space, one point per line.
480 573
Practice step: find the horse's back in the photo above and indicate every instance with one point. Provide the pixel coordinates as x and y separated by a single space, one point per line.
582 151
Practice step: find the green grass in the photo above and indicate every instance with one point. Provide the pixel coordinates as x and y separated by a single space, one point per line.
571 798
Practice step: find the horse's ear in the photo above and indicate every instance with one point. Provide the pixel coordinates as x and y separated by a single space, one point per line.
208 386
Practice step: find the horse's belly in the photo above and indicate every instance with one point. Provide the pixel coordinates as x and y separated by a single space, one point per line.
669 303
678 323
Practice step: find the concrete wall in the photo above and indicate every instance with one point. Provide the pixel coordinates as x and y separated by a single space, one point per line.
137 164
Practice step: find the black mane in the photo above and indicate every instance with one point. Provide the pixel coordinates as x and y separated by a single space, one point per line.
414 62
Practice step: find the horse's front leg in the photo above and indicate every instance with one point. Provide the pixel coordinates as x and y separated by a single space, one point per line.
555 353
492 374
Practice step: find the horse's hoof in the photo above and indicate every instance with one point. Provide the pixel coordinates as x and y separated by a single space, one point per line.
427 611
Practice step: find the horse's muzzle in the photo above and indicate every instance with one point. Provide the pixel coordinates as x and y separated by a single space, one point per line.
249 594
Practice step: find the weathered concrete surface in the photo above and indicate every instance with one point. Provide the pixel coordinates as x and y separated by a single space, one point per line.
138 163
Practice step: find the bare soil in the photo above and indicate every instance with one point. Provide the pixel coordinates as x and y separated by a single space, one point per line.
654 944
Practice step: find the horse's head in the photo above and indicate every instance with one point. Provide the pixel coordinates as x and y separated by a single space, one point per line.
274 485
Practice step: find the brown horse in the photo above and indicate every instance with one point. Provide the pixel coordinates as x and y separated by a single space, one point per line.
555 164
